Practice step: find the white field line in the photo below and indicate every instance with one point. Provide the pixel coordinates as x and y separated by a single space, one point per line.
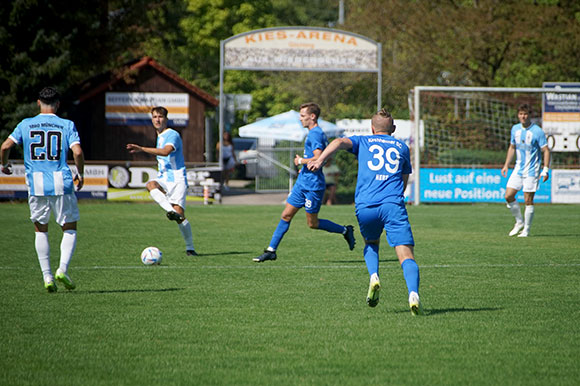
298 267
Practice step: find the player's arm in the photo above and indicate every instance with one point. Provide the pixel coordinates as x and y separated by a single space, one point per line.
299 161
405 180
79 159
546 170
508 159
4 153
337 144
163 152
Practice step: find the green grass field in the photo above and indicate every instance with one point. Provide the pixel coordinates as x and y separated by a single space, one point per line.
499 310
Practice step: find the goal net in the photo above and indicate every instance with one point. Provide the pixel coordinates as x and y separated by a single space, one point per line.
467 127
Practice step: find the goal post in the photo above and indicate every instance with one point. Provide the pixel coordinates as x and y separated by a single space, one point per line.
470 127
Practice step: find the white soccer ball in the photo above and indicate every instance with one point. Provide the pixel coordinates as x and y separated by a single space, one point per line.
151 256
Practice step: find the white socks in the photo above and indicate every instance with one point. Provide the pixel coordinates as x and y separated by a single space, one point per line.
67 248
161 199
528 217
514 207
185 228
43 252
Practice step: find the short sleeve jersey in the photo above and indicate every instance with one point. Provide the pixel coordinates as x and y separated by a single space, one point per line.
308 180
46 139
171 167
382 162
528 142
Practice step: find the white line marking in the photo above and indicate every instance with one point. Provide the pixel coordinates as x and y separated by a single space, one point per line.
329 266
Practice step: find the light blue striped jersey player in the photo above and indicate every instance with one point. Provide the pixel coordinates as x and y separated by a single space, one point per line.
308 180
382 161
46 139
528 142
172 166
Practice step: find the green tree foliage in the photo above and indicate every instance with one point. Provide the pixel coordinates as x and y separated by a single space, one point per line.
60 43
470 42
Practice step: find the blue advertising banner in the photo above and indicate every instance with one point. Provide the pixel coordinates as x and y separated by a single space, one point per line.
454 185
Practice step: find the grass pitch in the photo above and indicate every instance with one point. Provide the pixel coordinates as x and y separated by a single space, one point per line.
499 310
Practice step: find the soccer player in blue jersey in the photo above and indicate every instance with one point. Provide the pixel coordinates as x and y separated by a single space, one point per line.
46 140
169 189
308 191
527 142
384 166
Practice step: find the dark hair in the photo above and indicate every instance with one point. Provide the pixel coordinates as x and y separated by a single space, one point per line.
525 107
49 96
160 110
311 108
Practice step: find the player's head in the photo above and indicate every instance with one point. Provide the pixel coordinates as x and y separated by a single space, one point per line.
159 118
524 114
383 122
309 113
525 107
49 97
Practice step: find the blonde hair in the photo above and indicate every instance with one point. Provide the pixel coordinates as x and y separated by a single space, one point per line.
383 121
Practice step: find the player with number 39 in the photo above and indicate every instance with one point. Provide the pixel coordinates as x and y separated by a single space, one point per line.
384 166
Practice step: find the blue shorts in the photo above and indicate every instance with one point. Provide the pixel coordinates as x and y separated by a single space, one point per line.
392 217
311 200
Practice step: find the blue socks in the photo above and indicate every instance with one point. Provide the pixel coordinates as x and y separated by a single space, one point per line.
371 253
411 274
283 227
280 231
329 226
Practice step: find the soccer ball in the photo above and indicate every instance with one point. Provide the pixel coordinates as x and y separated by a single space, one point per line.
151 256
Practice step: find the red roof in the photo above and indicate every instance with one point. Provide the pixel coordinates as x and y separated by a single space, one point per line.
138 65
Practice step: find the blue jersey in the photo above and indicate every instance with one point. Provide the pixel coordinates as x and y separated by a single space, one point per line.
172 166
46 139
528 142
316 139
382 161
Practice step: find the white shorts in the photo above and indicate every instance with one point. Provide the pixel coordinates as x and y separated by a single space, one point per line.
175 191
529 184
64 208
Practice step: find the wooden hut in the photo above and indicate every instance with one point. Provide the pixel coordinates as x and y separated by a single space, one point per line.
113 109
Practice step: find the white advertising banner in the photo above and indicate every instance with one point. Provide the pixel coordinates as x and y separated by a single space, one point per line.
134 108
565 186
301 48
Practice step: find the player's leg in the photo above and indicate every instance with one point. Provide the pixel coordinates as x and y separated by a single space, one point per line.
528 213
158 193
66 213
371 228
514 185
176 194
283 225
312 206
39 215
400 237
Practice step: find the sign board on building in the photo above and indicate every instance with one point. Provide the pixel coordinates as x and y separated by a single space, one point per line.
134 108
561 117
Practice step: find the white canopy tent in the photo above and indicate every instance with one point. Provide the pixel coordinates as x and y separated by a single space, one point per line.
285 126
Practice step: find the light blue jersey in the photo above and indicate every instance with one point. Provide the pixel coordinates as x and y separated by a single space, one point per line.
307 179
46 139
382 161
172 166
528 142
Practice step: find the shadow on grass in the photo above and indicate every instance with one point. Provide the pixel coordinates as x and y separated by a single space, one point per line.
362 260
224 253
462 309
121 291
